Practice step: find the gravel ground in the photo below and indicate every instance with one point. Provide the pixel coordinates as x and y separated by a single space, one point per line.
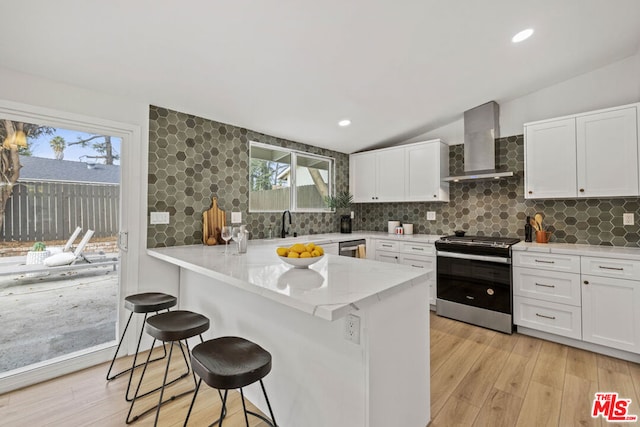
45 317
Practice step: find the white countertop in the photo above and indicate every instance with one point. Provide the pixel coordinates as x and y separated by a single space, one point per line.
341 237
329 289
619 252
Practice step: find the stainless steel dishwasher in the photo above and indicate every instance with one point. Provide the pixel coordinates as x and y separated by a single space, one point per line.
350 247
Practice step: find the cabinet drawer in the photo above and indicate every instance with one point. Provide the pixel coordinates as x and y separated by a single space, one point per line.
418 261
554 286
387 245
387 257
567 263
559 319
607 267
417 248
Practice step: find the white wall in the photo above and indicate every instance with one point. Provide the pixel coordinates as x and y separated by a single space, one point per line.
26 89
615 84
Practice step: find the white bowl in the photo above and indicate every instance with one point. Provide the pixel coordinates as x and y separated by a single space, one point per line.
301 262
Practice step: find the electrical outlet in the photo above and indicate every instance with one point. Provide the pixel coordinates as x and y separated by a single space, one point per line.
627 219
353 215
159 218
352 328
431 216
236 217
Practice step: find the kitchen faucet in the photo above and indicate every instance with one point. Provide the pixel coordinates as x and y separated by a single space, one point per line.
284 231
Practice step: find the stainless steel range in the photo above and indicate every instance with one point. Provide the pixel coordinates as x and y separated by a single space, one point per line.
474 280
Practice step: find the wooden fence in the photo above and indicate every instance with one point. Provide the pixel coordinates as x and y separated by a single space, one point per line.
52 210
278 199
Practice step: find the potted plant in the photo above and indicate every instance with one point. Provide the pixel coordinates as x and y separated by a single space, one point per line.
341 203
37 254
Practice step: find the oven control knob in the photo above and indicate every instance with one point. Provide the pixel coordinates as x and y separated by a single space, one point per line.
490 291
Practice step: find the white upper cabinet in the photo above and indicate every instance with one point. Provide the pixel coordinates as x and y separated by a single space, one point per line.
377 176
586 155
550 160
427 163
607 147
411 172
390 175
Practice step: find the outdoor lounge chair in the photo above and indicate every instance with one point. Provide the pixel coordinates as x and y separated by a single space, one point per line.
69 258
67 246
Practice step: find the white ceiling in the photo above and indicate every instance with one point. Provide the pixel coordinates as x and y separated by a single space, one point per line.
293 68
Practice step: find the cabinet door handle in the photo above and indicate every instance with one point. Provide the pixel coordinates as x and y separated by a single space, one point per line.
586 282
582 190
530 192
545 262
546 317
386 246
546 286
611 268
417 266
470 297
417 249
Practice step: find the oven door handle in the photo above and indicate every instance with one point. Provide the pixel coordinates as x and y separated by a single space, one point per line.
500 260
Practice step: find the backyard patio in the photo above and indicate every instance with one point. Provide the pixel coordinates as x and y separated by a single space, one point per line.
54 314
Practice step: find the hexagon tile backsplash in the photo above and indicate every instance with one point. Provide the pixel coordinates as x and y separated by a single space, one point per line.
498 208
192 159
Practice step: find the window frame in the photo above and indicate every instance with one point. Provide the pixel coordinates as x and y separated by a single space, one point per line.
293 189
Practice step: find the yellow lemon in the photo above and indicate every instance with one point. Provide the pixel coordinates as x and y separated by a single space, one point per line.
293 254
282 251
305 255
315 253
320 250
309 247
298 247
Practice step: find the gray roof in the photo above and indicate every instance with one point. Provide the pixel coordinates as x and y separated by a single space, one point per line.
37 168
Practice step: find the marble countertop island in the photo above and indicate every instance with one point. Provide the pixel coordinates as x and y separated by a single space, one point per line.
329 289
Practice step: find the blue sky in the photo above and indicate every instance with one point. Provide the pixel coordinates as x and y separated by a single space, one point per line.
41 148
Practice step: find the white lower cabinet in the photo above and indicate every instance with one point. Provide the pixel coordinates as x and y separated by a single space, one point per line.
610 305
592 299
417 255
546 293
559 319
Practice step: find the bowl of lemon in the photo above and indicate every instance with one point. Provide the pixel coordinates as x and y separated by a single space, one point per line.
301 255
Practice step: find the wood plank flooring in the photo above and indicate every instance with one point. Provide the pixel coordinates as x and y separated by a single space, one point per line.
485 378
478 378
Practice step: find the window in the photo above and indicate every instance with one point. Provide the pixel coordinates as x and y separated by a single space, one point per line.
281 179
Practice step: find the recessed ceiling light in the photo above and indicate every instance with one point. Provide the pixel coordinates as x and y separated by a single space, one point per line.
522 35
345 122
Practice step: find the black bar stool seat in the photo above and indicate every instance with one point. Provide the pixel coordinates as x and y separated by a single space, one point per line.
174 327
146 303
231 363
149 302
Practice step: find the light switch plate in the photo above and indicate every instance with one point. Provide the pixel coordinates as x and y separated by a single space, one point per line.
159 218
627 219
236 217
431 216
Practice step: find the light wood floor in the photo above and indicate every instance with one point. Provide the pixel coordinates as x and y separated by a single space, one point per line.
478 378
485 378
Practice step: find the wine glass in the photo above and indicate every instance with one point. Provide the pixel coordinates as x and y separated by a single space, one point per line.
226 233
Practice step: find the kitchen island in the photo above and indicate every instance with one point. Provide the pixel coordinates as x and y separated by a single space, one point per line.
319 377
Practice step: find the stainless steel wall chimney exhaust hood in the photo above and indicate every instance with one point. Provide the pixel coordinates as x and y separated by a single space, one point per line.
481 128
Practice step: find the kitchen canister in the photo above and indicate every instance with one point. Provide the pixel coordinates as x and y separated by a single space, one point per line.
408 228
391 226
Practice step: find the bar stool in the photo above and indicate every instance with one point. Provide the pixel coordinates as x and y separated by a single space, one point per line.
228 363
141 303
172 327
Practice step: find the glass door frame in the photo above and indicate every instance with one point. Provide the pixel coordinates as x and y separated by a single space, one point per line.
130 196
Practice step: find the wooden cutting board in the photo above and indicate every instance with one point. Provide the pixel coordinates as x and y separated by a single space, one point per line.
212 222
